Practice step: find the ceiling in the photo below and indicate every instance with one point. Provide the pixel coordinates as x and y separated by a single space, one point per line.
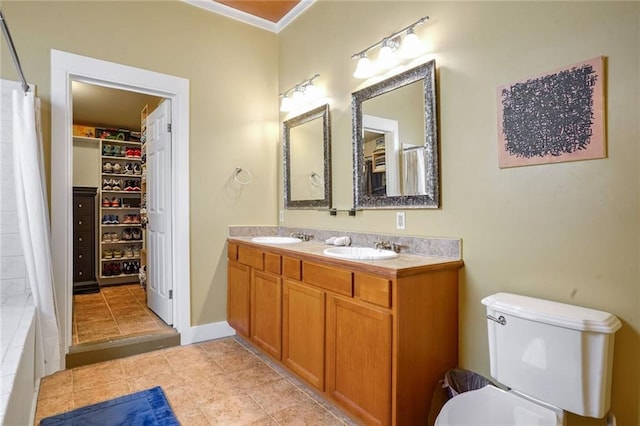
270 10
271 15
106 107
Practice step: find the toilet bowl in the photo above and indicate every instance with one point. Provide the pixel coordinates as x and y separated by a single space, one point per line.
493 406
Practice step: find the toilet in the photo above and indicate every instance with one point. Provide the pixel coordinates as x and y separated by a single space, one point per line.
552 357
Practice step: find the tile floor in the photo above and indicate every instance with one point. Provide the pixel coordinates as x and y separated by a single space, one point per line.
116 311
219 382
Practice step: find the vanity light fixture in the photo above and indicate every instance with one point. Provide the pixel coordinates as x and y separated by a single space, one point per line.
387 56
302 93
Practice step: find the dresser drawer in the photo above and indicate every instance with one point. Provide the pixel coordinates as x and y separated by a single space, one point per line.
83 205
83 222
372 289
83 238
332 279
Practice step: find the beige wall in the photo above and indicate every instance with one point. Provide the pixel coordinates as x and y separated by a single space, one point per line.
567 232
232 69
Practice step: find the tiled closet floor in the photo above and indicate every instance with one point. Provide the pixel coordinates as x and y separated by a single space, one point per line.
219 382
114 312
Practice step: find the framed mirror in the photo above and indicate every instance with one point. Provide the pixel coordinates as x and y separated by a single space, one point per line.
395 142
307 160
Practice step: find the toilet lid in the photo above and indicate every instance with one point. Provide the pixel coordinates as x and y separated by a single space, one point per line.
491 406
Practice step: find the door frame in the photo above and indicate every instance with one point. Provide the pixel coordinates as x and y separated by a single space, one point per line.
65 68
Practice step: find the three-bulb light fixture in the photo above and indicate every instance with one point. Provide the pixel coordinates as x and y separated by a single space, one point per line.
407 47
301 94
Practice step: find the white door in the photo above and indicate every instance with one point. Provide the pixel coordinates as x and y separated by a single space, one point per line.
159 268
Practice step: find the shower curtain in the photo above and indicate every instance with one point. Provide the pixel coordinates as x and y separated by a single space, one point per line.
33 219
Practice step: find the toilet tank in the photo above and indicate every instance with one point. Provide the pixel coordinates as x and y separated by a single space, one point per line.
560 354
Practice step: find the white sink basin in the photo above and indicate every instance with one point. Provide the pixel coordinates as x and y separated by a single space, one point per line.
360 253
276 240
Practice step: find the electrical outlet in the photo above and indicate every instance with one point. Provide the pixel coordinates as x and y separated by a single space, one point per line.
281 216
400 220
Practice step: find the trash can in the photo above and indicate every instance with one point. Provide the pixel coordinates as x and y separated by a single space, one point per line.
454 382
458 380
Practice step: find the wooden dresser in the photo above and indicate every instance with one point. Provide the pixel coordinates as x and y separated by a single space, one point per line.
374 337
84 240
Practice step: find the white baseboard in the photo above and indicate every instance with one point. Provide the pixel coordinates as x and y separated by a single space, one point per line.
200 333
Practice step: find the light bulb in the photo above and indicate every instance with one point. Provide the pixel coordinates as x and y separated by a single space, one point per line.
297 98
312 92
411 46
285 104
364 69
386 58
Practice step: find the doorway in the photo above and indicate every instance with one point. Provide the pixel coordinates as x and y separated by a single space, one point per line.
66 68
112 168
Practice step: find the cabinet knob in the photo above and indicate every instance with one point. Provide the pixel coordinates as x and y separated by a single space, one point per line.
80 273
80 205
79 256
79 222
80 239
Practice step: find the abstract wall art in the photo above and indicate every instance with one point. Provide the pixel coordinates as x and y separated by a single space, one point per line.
553 118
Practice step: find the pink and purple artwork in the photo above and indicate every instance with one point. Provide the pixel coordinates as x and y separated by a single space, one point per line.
553 118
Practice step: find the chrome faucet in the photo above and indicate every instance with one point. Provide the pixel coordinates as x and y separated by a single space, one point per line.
386 245
301 235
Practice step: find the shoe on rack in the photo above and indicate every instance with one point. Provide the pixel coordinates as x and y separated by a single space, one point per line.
117 151
137 169
136 234
127 235
127 219
129 152
136 267
106 269
115 219
135 218
106 184
117 254
107 168
136 185
107 150
116 184
136 251
114 236
106 219
107 254
128 169
117 168
106 202
128 251
115 269
115 202
106 237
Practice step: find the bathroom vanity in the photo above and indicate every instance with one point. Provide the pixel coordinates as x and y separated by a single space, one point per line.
373 336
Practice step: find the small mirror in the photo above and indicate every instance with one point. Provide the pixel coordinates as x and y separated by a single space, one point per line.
395 142
307 160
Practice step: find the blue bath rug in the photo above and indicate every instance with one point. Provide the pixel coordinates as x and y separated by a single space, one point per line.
145 408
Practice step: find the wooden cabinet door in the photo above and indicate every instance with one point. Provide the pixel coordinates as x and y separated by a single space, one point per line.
359 358
303 339
266 312
239 297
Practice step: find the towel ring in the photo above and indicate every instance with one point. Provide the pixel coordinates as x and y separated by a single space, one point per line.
315 179
238 178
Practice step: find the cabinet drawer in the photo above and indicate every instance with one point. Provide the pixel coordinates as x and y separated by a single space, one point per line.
332 279
292 268
251 257
82 239
232 251
272 263
372 289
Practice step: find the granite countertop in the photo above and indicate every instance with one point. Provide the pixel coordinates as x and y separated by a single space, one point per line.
308 250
